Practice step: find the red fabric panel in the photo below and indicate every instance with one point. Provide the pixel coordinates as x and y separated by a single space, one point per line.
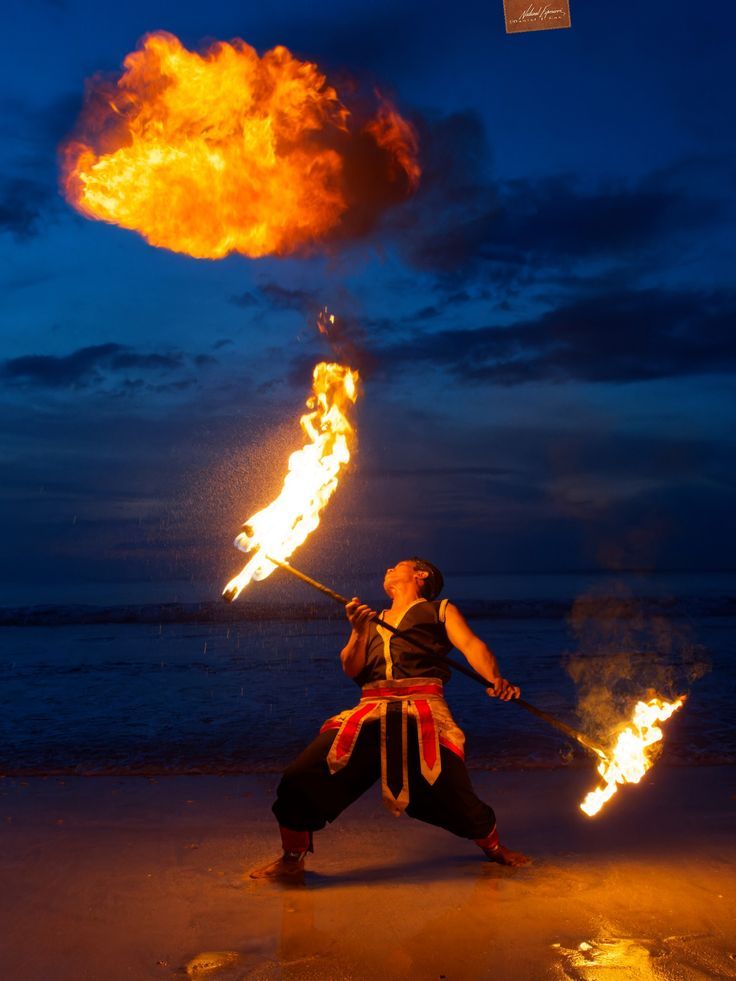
295 841
345 739
405 692
452 747
426 732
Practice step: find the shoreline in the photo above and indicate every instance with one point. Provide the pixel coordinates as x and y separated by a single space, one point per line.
212 613
475 765
135 877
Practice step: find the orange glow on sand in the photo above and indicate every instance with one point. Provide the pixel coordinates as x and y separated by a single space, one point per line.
632 754
225 151
310 482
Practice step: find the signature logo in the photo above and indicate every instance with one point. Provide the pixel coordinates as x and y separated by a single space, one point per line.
537 15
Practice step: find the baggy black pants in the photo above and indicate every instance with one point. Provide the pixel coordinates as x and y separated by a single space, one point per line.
309 796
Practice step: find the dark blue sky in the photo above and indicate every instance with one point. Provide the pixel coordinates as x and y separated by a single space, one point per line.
546 330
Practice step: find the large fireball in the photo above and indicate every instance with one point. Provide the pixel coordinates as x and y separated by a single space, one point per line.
222 151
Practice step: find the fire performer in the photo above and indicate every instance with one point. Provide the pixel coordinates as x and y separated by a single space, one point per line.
401 730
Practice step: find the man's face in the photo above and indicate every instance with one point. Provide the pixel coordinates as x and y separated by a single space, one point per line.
403 573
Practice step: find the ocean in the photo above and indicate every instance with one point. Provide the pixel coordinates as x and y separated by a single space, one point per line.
205 688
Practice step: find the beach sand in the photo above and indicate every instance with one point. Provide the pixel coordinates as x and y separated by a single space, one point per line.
109 878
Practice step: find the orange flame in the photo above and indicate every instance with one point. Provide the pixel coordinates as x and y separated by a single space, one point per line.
395 134
225 151
631 755
312 478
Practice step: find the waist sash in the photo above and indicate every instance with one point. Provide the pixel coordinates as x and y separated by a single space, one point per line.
392 702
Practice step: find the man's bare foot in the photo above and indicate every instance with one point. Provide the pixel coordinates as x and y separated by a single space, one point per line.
286 868
504 856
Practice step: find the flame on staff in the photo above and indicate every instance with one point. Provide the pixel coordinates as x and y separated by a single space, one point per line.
631 755
222 151
311 480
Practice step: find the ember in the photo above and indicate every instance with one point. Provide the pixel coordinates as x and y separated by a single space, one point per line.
312 478
631 755
225 151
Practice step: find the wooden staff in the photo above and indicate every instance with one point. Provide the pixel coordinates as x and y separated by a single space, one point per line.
579 737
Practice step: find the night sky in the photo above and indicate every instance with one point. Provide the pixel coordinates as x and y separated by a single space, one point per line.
545 330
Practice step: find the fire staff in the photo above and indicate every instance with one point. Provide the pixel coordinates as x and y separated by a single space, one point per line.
401 731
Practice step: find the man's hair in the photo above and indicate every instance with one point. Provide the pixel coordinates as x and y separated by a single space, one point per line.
431 587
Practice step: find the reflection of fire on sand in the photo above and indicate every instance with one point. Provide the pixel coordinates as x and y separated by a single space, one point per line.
120 877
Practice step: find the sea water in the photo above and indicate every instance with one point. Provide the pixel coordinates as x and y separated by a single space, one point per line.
132 695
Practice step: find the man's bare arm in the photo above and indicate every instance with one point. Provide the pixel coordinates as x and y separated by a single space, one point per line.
353 653
478 654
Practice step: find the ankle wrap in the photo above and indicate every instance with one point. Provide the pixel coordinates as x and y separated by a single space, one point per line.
491 841
296 842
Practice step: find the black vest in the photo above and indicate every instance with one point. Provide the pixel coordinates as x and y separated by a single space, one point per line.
389 656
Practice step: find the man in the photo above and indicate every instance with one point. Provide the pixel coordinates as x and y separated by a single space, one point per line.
401 730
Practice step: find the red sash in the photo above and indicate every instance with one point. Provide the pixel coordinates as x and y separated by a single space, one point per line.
420 698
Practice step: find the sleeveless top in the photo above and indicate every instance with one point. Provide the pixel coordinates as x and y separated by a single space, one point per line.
390 657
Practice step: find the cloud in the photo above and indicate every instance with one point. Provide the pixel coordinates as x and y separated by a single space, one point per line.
28 192
282 298
245 300
94 364
277 297
617 337
132 359
24 205
52 371
463 217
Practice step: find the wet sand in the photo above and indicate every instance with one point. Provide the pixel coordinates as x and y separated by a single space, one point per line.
132 878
